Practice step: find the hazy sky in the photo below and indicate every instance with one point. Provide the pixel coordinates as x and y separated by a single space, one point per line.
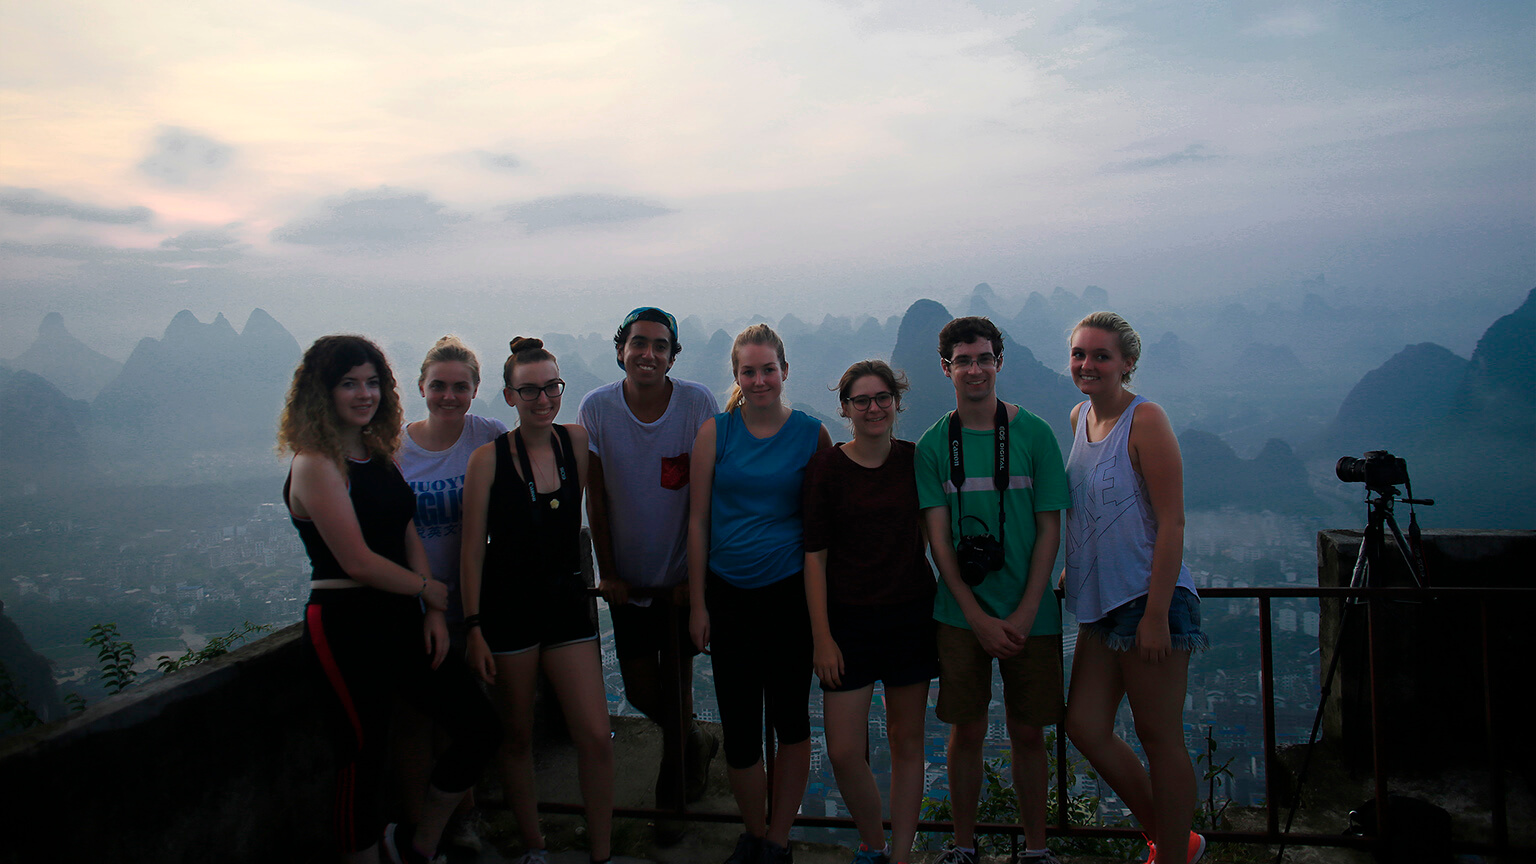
398 167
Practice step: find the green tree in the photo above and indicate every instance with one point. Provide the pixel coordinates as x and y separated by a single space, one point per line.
218 646
115 655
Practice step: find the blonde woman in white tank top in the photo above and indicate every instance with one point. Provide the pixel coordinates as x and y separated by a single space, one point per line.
1127 583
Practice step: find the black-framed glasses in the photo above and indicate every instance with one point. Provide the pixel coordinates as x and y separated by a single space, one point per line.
883 399
985 361
530 392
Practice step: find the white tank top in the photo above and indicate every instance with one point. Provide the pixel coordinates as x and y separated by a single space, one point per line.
1110 528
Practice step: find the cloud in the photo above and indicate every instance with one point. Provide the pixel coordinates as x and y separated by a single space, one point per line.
107 255
34 202
181 157
200 240
376 217
1288 23
1192 153
559 211
498 161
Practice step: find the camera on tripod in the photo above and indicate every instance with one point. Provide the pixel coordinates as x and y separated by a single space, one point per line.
1378 470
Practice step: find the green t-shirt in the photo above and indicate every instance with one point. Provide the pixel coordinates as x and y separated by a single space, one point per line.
1037 482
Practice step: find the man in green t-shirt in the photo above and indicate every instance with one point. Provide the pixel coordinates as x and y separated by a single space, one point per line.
994 600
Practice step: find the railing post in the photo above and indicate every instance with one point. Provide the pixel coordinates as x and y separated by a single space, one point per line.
671 666
1061 775
1495 770
1378 746
1267 689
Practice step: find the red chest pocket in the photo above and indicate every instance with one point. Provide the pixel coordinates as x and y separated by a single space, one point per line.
674 471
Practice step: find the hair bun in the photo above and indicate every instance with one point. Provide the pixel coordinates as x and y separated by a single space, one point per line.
524 343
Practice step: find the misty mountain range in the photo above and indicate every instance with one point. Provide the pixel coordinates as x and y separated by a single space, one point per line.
200 403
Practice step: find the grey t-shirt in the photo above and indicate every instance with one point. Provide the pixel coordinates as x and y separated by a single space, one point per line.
645 472
437 478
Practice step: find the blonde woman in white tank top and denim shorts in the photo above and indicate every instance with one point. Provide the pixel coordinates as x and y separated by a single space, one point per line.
1128 587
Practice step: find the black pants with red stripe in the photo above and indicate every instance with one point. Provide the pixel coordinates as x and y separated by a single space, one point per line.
369 648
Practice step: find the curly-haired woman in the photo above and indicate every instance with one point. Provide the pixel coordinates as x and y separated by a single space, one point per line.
375 616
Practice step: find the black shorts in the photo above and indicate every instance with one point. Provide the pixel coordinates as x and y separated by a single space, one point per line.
641 631
893 643
550 617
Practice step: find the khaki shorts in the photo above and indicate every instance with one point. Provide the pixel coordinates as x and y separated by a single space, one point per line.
1032 681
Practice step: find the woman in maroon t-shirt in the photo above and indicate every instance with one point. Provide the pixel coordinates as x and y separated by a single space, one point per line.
870 592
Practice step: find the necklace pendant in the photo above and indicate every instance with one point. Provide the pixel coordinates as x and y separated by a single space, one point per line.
554 503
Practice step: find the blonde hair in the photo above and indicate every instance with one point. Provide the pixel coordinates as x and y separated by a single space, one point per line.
757 334
450 349
1130 340
309 420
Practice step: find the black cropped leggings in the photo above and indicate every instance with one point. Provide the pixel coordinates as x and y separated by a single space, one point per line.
368 645
761 652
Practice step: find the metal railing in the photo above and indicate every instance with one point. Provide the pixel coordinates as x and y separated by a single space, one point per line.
1371 599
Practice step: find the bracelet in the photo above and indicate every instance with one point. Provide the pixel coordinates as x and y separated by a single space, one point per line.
423 587
471 622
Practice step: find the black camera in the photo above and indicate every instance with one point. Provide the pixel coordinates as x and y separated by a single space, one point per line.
1378 470
979 554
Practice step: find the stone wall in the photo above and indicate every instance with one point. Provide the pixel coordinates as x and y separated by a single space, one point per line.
1430 653
225 762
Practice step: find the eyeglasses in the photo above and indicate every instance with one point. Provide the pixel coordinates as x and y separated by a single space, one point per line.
883 399
531 392
963 362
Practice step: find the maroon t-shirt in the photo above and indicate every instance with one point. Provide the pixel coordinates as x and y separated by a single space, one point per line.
868 521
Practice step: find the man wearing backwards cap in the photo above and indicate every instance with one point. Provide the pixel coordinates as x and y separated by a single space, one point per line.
641 432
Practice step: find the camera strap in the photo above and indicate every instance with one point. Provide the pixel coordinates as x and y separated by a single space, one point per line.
999 461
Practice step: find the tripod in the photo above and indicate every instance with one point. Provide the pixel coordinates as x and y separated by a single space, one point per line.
1368 569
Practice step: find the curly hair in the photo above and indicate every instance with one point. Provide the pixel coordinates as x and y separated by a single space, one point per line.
309 420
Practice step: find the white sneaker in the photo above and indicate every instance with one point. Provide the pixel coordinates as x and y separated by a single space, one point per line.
462 834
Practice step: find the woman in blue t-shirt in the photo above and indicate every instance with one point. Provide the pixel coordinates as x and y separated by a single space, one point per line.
747 589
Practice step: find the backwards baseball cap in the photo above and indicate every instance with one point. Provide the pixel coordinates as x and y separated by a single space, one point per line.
640 314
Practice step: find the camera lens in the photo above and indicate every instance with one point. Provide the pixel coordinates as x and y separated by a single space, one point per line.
1350 469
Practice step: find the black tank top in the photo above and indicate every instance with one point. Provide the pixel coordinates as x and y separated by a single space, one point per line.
384 505
533 535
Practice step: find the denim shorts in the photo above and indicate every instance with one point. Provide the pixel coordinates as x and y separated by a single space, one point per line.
1117 630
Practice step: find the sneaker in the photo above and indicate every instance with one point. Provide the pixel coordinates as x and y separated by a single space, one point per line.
773 853
1046 857
1196 849
534 856
954 855
398 848
464 834
866 855
748 850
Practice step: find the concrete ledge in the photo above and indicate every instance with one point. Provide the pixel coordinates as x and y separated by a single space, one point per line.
226 761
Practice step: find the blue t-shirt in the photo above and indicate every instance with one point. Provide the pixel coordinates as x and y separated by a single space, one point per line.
756 535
